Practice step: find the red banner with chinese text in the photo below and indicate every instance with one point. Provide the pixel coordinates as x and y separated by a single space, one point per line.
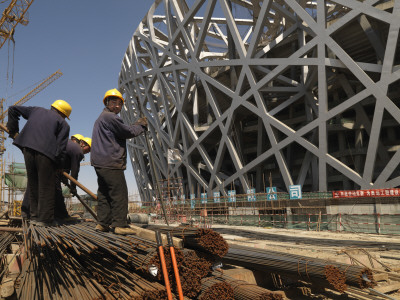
366 193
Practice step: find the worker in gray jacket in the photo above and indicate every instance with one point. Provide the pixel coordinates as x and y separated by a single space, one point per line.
108 157
43 141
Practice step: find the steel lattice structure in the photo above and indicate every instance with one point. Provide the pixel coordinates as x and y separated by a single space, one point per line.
259 92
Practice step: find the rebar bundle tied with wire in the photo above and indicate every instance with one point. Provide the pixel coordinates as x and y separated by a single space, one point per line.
214 287
243 290
76 262
338 275
6 239
205 240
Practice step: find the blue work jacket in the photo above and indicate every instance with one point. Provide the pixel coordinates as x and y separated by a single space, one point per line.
45 130
109 140
73 158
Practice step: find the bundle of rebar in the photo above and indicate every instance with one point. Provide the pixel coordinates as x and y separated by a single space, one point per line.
199 262
243 290
6 238
213 288
205 240
305 267
76 262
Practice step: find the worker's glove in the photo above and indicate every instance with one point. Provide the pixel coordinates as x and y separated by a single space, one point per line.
14 135
64 179
142 122
73 190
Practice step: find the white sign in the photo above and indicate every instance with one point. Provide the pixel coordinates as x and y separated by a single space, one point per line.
203 198
192 201
217 196
232 196
271 193
295 192
251 195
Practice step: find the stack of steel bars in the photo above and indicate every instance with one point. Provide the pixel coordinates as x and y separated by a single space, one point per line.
192 268
205 240
305 267
76 262
243 290
215 288
6 238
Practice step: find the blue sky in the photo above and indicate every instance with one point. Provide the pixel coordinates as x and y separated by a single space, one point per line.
86 40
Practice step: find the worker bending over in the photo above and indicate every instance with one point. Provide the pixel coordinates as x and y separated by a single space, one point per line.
77 138
43 141
77 147
108 157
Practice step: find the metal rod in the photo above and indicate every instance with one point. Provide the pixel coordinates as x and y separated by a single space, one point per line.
89 209
153 169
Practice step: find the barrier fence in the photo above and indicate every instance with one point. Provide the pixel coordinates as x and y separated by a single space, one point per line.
315 211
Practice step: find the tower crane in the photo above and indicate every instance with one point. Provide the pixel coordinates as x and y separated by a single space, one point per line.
42 85
12 16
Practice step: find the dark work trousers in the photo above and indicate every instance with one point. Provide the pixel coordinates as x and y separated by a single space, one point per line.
41 172
60 210
26 206
112 195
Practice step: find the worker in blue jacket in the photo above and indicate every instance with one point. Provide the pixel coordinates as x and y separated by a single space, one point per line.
76 149
108 157
43 141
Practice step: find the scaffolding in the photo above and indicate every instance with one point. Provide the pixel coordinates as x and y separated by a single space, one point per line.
172 194
15 180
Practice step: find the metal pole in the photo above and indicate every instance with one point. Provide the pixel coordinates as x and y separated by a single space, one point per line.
153 169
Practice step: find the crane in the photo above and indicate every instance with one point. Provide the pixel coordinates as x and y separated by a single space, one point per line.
12 16
42 85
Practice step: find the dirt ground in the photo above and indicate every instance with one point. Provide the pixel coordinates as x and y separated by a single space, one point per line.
378 252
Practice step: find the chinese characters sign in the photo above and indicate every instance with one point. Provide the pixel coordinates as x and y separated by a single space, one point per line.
271 193
295 192
366 193
232 196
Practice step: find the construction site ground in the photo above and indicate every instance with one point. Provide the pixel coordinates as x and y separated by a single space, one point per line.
378 252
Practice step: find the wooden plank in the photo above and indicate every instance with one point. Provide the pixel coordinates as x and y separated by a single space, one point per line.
388 288
380 276
151 235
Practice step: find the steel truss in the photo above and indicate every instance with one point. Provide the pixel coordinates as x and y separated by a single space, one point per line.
255 93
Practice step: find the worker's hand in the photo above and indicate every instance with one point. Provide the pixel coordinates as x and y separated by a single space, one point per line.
64 180
14 135
142 122
73 190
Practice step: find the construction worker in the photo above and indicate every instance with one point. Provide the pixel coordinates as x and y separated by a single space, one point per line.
75 152
108 157
77 138
43 141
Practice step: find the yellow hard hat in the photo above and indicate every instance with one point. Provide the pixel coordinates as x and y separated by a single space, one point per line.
88 141
78 136
113 93
63 107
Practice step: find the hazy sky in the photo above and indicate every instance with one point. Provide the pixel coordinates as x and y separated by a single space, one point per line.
86 40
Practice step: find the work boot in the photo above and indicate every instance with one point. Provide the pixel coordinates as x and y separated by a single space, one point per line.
124 230
101 228
65 221
45 224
